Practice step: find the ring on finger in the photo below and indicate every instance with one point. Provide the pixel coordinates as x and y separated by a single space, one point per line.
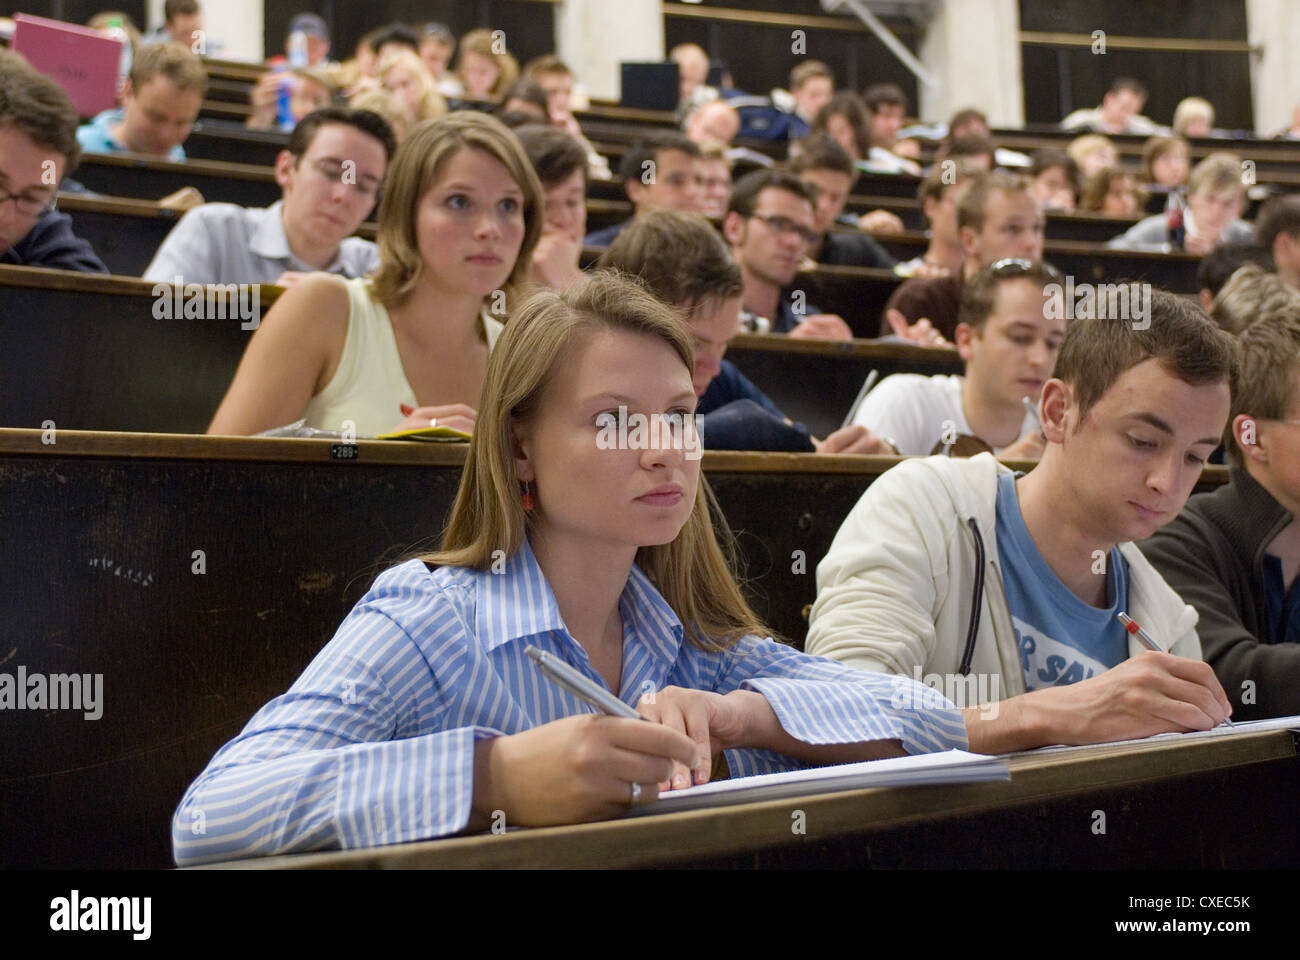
433 422
636 794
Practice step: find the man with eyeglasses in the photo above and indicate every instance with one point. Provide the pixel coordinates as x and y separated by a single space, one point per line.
330 178
769 224
1234 553
38 146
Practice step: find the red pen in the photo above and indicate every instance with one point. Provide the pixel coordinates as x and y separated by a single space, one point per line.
406 411
1132 627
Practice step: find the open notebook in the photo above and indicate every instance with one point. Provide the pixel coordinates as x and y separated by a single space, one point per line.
1236 730
953 766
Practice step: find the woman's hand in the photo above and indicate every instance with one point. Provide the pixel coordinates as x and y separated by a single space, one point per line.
573 770
457 416
712 721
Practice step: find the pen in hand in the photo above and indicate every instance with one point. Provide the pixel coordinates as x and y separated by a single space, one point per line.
1132 627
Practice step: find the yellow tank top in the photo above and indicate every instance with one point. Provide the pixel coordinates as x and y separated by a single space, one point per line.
370 385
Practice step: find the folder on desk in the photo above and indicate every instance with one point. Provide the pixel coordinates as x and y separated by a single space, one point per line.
952 766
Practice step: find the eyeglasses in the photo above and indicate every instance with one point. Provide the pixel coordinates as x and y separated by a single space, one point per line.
334 171
1018 266
28 206
782 224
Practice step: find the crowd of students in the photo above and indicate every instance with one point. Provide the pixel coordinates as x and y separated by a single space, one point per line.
471 312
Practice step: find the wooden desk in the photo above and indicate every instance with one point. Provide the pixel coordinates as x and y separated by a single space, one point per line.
136 175
1210 804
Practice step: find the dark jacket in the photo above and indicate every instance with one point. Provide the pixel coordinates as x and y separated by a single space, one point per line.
739 416
51 243
1212 554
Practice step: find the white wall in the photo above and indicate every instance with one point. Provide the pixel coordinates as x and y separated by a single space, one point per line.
594 36
236 23
972 48
1275 76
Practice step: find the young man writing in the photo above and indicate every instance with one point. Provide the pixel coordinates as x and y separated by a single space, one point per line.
159 105
769 224
309 228
38 146
1234 553
1008 336
683 262
658 174
959 567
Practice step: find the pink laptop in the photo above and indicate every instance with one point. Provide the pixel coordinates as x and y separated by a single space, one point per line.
83 61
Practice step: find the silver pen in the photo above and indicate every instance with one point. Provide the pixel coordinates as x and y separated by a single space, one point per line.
867 384
584 689
1132 627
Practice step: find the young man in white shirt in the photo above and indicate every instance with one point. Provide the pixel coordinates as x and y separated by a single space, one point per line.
1009 339
329 176
1012 586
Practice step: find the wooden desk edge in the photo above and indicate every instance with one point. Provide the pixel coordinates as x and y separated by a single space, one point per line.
659 840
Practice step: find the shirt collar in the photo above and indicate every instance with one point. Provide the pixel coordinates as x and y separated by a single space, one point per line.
268 239
518 603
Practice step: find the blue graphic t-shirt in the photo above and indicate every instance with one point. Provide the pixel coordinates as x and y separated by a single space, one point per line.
1062 639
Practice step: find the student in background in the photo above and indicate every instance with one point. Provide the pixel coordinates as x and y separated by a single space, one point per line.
713 176
437 45
604 558
1194 117
887 109
483 69
322 202
1120 111
658 173
997 218
959 567
940 192
557 82
1164 162
527 101
1277 230
159 106
812 83
769 224
1233 553
844 118
1220 263
38 148
393 110
402 74
693 70
683 262
824 167
1216 197
460 216
1113 193
1093 153
716 120
560 162
1249 295
1055 177
310 88
1008 338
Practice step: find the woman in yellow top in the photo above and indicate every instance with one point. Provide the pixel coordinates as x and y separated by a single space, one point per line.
459 218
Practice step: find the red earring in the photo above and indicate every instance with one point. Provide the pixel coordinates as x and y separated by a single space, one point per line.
527 498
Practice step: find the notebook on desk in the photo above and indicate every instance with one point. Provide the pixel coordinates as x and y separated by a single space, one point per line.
1236 730
952 766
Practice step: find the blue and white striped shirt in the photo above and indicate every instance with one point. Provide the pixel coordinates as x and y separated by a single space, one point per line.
374 743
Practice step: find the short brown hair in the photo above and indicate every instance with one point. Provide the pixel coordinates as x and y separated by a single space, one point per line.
979 293
170 60
744 195
367 121
879 94
974 202
1277 215
1153 150
821 151
175 8
1188 344
939 179
553 153
1270 354
1218 171
805 71
679 256
1249 295
34 105
546 64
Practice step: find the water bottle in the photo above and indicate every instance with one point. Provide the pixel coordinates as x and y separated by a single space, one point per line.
297 49
1175 228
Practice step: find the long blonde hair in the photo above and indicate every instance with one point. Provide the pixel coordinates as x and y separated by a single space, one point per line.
693 572
425 150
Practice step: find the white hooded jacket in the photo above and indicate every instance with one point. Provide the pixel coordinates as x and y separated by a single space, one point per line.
912 581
